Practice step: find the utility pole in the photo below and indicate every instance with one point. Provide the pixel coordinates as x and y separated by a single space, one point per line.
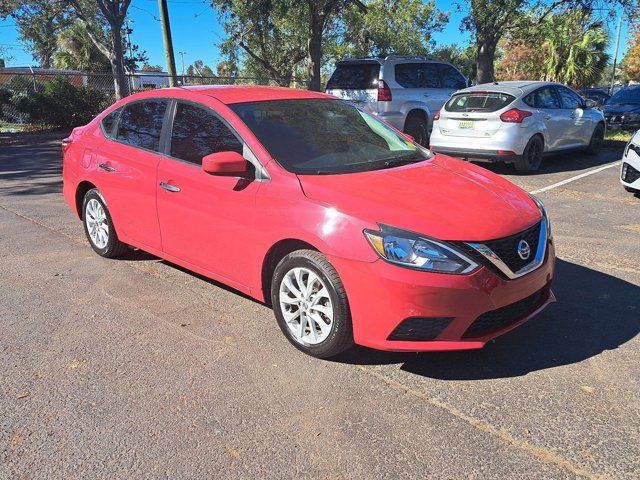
182 57
615 57
168 42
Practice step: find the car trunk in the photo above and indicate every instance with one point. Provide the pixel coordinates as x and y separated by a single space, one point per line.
473 114
356 82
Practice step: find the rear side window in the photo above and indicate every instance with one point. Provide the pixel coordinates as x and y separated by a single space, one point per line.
140 124
451 78
197 132
109 122
570 99
544 97
357 76
417 75
478 102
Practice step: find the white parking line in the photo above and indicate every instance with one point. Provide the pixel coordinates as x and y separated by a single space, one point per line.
577 177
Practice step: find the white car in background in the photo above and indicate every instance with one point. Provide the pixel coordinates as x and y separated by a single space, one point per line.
516 122
630 171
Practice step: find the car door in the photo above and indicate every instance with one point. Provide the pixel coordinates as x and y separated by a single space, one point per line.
205 220
126 167
579 126
549 110
420 83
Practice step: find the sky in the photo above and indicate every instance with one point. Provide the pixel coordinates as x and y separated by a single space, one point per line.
196 31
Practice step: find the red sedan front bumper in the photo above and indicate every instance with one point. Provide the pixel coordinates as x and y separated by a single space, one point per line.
382 296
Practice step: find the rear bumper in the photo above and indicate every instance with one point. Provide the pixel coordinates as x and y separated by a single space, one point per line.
383 296
473 153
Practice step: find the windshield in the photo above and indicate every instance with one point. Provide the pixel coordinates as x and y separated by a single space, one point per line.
326 136
626 96
478 102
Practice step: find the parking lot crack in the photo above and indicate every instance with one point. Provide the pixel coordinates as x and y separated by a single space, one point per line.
540 453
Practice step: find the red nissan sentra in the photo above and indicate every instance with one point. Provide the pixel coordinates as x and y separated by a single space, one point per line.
351 231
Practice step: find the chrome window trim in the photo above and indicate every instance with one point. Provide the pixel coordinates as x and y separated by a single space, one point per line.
537 261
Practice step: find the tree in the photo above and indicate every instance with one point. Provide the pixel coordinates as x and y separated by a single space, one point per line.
39 22
489 20
104 21
151 68
402 27
574 48
76 51
464 58
631 61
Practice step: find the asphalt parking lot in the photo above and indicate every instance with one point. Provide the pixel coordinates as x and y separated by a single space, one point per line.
135 368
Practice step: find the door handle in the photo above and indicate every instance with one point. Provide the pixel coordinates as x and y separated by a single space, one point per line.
547 117
170 188
106 167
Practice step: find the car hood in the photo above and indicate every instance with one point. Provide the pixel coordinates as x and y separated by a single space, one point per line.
441 198
621 108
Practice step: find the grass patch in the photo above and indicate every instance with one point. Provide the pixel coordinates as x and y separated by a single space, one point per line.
618 136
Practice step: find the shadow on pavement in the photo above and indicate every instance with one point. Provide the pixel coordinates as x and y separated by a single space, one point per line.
31 169
575 161
595 312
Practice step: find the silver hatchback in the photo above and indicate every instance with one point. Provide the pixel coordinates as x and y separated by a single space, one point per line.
517 122
404 91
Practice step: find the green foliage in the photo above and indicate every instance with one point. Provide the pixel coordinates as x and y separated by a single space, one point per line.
464 58
61 104
76 51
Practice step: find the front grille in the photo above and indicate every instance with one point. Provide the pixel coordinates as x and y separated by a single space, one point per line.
611 119
629 174
507 248
503 317
420 329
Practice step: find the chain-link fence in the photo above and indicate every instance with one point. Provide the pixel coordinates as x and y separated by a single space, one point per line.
18 87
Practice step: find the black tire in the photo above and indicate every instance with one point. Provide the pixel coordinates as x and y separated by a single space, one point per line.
114 247
416 126
531 157
340 337
597 137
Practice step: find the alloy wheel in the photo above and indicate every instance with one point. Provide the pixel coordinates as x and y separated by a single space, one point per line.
306 306
97 226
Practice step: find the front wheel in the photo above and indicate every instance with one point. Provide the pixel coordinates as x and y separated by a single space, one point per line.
531 157
311 305
416 126
597 137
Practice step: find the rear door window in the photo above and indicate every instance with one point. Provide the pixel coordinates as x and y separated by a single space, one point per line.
356 76
544 97
140 124
478 102
417 75
451 78
109 122
198 132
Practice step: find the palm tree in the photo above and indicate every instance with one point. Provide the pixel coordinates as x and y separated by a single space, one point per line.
575 49
76 51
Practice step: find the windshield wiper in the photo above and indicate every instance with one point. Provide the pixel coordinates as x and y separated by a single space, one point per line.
396 162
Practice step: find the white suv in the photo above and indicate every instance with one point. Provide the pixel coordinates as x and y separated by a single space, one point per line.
404 91
630 169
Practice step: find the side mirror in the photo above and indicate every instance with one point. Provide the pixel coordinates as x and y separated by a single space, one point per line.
590 103
225 163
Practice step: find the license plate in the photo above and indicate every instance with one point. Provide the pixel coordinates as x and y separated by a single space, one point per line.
466 124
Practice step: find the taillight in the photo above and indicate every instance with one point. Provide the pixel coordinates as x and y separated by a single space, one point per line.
384 92
437 115
515 115
66 143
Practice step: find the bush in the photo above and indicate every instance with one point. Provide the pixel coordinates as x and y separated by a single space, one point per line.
61 104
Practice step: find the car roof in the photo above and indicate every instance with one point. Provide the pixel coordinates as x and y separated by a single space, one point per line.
514 87
229 94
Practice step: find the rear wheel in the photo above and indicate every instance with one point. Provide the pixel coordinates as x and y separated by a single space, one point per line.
416 126
597 137
98 226
310 304
531 157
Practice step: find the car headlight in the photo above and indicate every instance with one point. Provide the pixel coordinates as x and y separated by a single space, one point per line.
543 211
411 250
